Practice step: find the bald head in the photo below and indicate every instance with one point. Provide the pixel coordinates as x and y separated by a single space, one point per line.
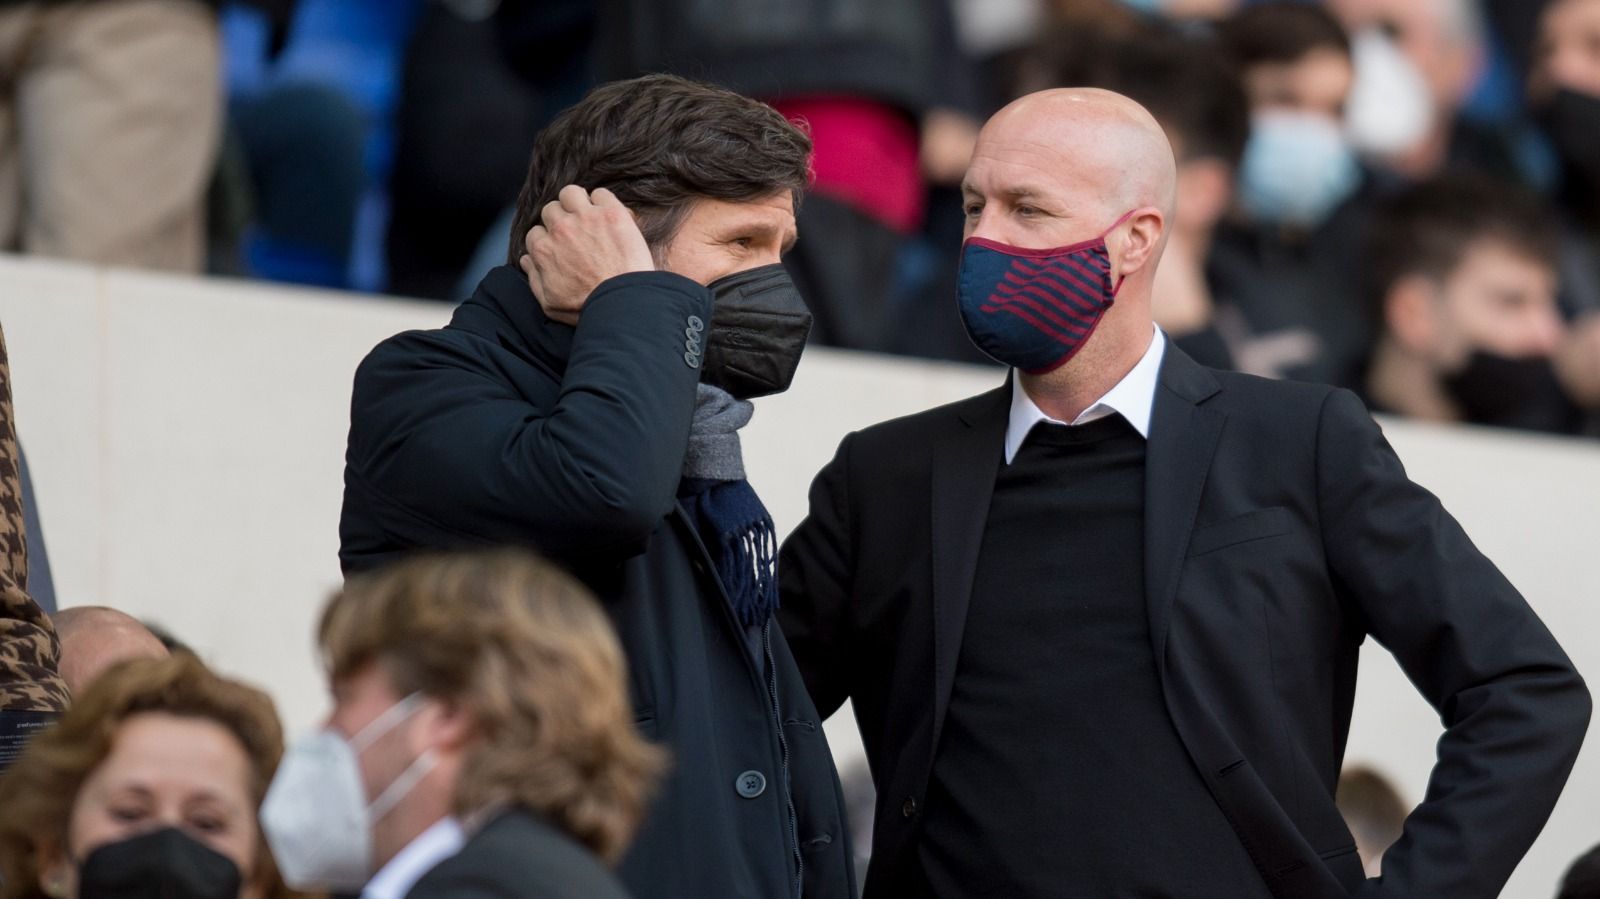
1105 152
93 638
1061 167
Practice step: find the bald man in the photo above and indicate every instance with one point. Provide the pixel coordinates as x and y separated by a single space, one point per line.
93 638
1100 624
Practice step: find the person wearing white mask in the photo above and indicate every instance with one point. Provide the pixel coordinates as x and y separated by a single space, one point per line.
1285 255
1416 64
481 728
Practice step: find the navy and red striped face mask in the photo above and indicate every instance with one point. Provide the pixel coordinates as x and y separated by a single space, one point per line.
1034 309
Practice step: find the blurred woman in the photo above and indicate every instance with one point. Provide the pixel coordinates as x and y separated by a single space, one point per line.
148 785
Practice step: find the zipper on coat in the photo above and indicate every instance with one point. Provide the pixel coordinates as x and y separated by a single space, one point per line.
783 746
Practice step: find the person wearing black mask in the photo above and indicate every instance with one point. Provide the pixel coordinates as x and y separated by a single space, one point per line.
148 786
1464 274
1564 94
586 402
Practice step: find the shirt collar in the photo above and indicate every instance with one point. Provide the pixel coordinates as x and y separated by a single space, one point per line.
1132 398
444 839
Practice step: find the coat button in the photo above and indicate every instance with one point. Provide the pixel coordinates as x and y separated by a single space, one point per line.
908 809
750 784
695 324
691 360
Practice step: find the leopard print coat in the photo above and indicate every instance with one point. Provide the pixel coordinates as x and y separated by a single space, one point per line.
29 650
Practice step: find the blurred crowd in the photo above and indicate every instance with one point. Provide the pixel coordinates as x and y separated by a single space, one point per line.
1397 196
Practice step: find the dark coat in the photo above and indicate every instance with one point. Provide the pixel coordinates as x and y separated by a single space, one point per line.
1280 530
517 855
508 428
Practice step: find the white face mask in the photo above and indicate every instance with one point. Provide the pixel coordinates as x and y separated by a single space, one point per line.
1390 107
1297 168
316 816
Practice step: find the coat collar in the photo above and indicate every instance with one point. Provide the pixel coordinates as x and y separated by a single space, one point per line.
1183 439
964 468
505 307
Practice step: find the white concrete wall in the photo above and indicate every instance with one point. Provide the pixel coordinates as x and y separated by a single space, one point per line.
187 440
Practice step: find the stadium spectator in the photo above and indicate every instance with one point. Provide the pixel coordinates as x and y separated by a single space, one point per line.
1564 90
31 688
1417 63
1464 273
589 406
315 124
480 714
94 638
445 192
109 120
1374 812
149 782
1286 258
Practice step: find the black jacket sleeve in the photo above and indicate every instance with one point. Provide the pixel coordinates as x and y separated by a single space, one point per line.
1513 707
451 451
816 569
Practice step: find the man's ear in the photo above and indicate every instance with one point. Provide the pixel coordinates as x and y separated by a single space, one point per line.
1411 313
1143 237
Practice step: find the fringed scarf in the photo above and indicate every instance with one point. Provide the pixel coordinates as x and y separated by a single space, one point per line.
729 516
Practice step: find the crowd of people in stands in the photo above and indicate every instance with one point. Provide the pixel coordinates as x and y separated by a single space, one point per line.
1398 197
377 145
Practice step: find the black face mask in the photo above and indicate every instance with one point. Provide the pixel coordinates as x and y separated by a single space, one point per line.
759 326
1572 122
1513 393
161 864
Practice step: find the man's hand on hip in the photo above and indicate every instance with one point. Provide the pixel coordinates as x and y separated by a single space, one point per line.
585 238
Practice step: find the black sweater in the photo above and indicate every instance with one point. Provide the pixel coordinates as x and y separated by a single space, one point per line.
1060 773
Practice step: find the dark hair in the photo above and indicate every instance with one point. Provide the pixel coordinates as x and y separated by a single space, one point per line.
1582 880
1281 33
1187 82
660 143
1427 229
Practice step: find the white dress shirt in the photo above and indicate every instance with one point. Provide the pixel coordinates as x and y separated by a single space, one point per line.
1132 398
444 839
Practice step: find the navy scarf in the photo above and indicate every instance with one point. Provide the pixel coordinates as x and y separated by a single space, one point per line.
743 543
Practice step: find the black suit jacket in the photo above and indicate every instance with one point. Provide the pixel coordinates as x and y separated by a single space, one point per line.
519 856
1280 530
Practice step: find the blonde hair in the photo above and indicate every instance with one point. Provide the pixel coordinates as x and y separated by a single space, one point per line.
527 651
37 794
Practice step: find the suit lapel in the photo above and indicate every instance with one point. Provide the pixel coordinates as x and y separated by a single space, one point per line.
964 470
1183 438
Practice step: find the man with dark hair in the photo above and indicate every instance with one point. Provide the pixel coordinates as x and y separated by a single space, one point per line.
1285 256
1464 276
588 406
